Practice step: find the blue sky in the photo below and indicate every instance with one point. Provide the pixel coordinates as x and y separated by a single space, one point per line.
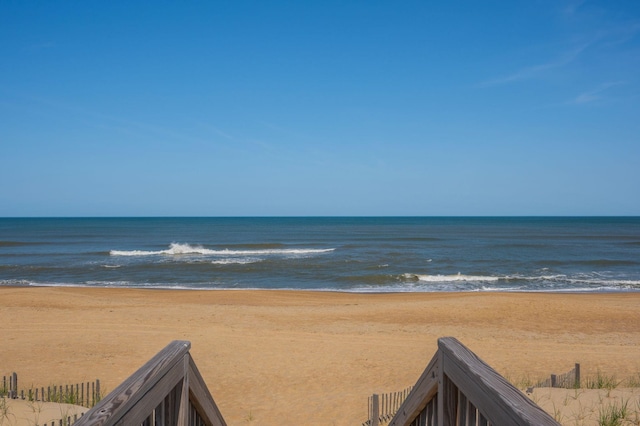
255 108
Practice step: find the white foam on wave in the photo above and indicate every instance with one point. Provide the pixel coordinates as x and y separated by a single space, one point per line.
236 261
134 253
452 278
607 283
176 249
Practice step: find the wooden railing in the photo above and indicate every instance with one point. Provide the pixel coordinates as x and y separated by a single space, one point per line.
458 388
166 391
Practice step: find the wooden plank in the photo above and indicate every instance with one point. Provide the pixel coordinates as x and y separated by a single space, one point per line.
497 399
183 412
13 392
433 411
423 391
482 421
450 405
129 392
462 409
375 412
136 413
473 415
201 398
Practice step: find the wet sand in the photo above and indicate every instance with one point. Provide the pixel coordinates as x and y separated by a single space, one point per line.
284 357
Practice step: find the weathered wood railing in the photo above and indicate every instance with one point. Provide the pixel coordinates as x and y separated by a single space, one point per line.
166 391
458 388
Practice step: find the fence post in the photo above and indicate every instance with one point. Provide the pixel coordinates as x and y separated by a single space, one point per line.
375 410
13 393
577 381
554 380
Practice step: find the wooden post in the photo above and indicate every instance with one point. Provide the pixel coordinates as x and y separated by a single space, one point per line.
473 414
387 405
13 393
375 410
450 403
183 411
577 381
440 393
554 380
98 397
462 408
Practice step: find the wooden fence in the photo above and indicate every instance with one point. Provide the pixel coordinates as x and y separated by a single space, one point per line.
384 406
459 389
68 421
568 380
167 391
9 387
85 394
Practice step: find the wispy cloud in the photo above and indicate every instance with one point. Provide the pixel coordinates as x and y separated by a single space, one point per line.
599 37
595 94
214 129
620 34
572 7
534 71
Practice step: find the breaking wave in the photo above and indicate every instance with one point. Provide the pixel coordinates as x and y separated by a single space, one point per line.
176 249
450 278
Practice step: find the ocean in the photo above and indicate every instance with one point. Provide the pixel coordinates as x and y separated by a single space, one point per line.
353 254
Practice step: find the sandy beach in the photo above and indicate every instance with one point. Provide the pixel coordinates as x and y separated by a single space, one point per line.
281 357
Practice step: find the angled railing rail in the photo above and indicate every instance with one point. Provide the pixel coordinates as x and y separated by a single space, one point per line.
459 389
167 391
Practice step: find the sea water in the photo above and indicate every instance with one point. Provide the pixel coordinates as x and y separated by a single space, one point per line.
368 254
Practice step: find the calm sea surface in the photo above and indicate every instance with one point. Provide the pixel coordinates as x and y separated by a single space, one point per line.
338 254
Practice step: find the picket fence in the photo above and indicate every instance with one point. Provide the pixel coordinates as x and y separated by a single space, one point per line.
63 422
86 394
568 380
384 406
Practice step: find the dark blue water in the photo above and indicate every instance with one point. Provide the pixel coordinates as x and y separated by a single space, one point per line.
340 254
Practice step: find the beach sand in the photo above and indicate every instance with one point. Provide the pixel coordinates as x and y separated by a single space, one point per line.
281 357
18 412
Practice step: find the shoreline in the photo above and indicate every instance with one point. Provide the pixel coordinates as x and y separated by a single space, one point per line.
329 290
323 352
